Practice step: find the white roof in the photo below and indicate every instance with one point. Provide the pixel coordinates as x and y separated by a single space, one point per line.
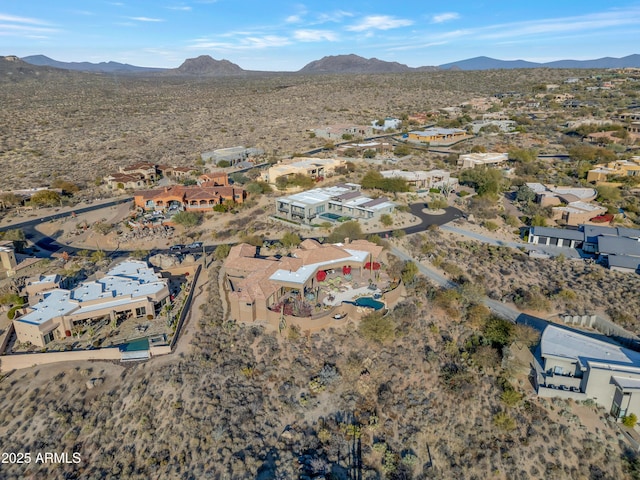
488 157
414 175
536 187
122 284
53 278
54 304
303 274
627 383
564 343
577 191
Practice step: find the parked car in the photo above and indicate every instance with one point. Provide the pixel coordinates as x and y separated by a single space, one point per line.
194 245
176 248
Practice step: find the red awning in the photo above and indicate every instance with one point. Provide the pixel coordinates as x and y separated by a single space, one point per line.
368 266
321 275
606 218
346 270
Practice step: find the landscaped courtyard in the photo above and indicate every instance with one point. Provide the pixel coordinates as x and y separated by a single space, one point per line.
333 287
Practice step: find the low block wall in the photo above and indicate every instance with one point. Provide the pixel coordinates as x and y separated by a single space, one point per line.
27 360
325 319
160 350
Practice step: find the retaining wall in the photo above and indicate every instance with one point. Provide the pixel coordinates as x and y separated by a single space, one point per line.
26 360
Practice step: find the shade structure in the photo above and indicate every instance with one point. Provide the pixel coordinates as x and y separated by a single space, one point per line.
321 275
372 266
346 270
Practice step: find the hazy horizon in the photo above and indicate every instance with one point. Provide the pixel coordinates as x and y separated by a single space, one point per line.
283 36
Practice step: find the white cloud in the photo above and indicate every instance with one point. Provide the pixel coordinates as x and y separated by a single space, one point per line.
335 17
146 19
246 43
379 22
182 8
315 36
445 17
26 27
293 19
14 19
414 47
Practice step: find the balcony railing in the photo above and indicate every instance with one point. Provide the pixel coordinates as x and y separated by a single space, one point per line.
563 380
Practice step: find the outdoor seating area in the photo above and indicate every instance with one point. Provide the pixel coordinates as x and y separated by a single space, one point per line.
336 287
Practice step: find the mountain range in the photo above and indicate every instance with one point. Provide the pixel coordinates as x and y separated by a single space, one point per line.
204 65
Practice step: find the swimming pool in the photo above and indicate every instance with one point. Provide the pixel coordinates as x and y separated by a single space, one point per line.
330 216
369 302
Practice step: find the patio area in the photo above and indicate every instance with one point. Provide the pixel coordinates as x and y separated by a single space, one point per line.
331 288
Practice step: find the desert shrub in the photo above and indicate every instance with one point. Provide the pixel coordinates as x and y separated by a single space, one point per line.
386 220
45 198
11 298
438 204
630 420
491 226
290 239
498 332
526 335
255 188
409 271
477 315
504 421
221 252
351 229
510 397
102 227
187 219
376 327
531 298
486 357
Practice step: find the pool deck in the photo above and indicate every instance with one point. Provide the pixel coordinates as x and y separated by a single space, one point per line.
350 294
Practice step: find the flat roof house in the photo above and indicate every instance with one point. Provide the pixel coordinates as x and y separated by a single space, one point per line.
422 179
616 247
330 203
578 366
130 289
555 195
576 213
437 135
233 155
471 160
309 167
255 284
620 168
336 132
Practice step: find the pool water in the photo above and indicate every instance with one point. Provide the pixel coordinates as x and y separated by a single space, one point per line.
369 302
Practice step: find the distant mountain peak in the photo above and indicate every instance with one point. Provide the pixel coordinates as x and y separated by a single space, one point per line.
205 65
352 63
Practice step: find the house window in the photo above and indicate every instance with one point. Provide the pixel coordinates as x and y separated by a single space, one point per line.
557 370
48 337
140 311
320 209
617 411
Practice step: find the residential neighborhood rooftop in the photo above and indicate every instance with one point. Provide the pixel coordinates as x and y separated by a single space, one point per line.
564 343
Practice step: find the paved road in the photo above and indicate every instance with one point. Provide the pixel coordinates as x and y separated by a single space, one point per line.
30 224
543 249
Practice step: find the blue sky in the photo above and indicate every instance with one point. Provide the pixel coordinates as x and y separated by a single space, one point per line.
281 35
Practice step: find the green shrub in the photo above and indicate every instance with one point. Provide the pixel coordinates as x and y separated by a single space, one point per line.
504 421
11 314
187 219
491 226
376 327
630 420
